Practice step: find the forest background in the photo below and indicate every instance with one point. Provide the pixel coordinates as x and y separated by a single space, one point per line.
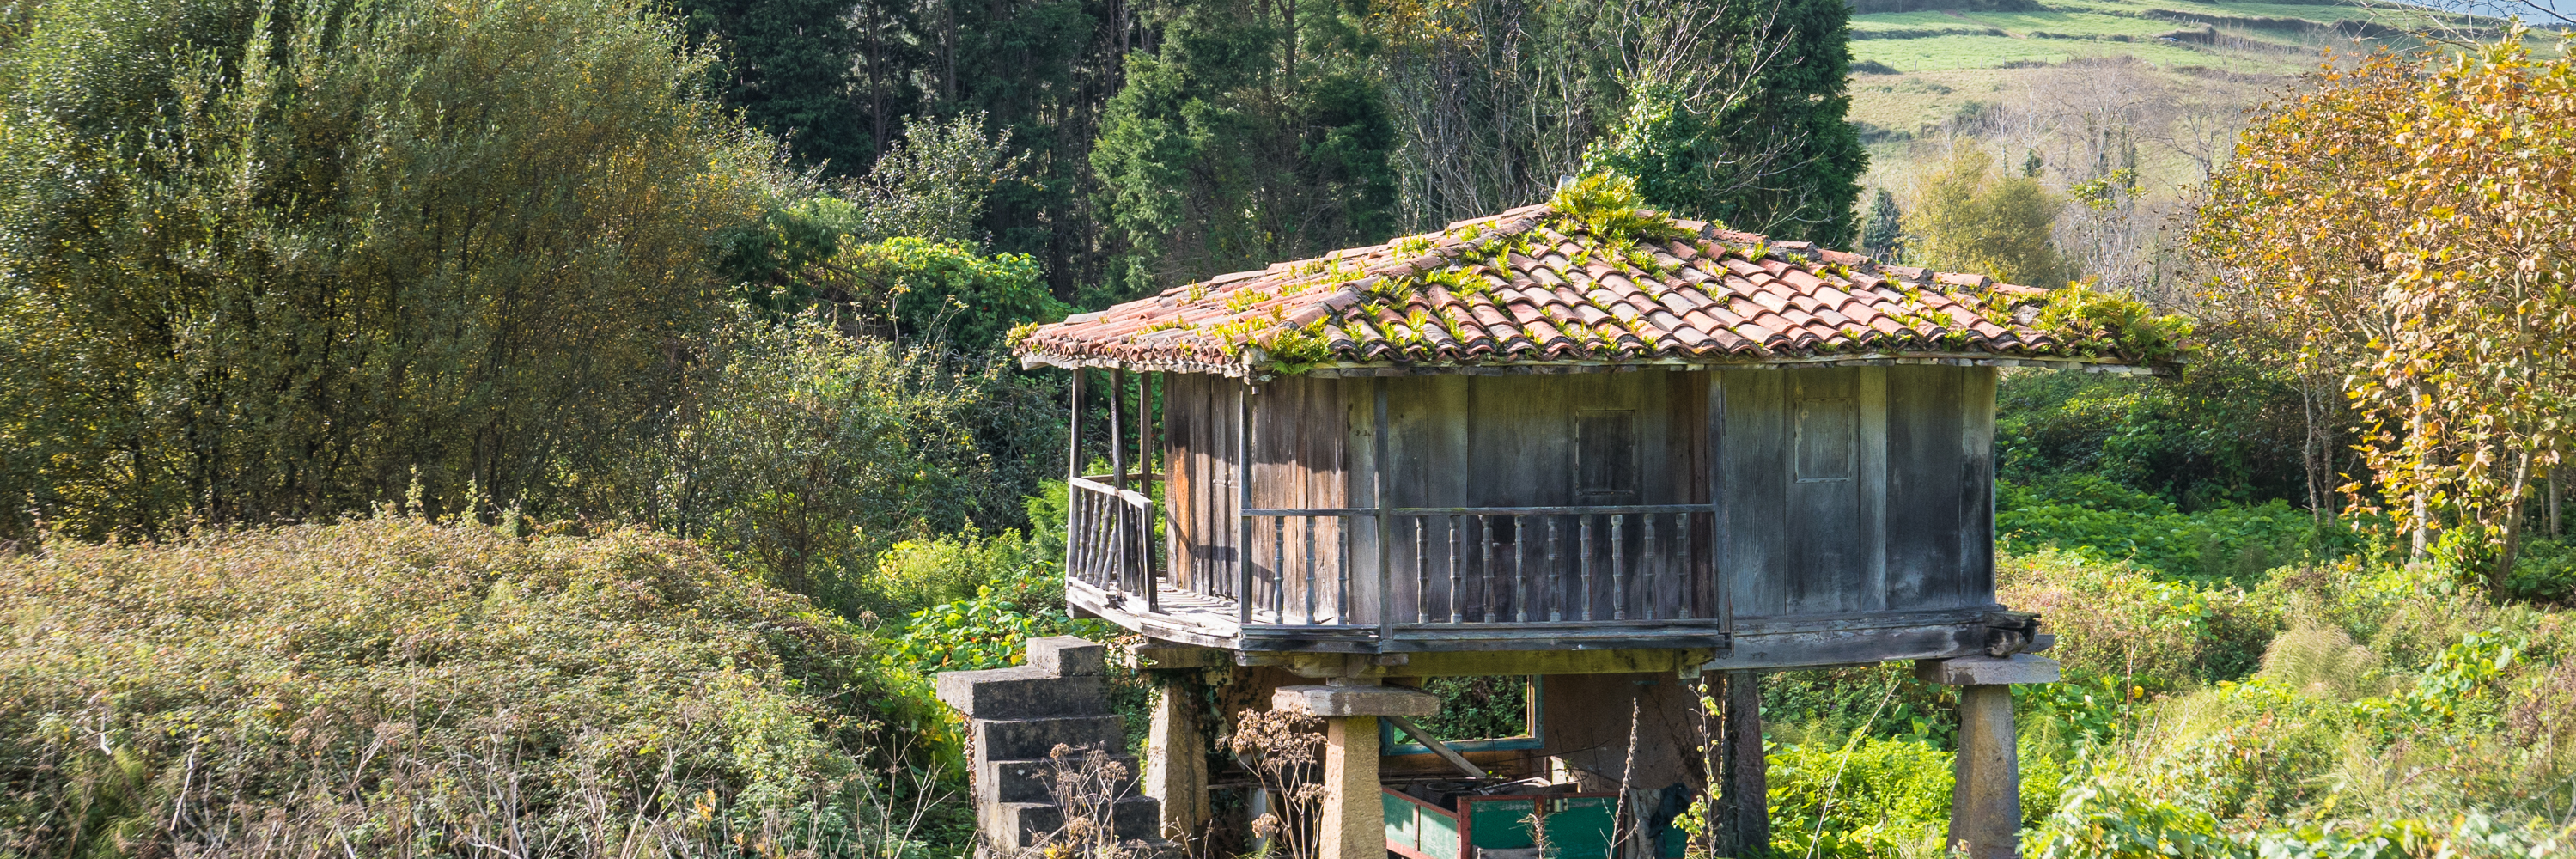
579 428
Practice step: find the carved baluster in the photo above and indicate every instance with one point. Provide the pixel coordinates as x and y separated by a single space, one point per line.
1520 569
1455 587
1421 569
1618 567
1485 542
1585 522
1554 596
1310 571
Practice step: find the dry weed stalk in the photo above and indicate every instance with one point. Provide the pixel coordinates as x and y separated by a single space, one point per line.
1284 751
1087 784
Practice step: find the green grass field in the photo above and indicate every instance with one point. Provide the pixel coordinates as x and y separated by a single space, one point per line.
1915 72
2257 38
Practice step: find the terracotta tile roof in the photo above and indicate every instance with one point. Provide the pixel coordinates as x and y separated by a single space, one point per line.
1513 290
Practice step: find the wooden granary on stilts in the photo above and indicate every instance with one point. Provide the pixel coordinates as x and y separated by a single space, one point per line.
1588 444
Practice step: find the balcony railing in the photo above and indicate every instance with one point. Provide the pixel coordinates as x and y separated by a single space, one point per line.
1476 565
1109 541
1636 575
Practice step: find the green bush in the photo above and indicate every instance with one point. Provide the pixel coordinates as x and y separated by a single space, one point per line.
392 686
2223 433
810 453
1478 708
282 261
2544 572
1868 797
1883 701
917 574
2113 619
2104 521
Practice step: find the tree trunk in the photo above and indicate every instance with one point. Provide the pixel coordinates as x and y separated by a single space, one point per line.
2553 503
2314 455
2513 514
2422 512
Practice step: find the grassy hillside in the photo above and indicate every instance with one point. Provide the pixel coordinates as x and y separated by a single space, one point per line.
2063 69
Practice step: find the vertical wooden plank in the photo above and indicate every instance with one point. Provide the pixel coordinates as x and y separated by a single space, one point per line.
1711 587
1872 501
1977 486
1453 465
1926 504
1358 400
1243 451
1383 607
1178 491
1073 468
1745 827
1148 457
1824 562
1755 484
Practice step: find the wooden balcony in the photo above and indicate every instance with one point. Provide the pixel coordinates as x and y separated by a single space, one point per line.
1449 578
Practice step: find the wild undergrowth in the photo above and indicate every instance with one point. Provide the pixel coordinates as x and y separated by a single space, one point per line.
396 686
2345 708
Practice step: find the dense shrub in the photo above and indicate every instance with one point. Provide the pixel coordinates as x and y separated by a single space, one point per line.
270 261
2113 619
1868 797
2544 572
806 453
392 686
2221 434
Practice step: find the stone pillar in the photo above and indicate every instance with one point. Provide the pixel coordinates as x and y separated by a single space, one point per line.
1352 822
1985 802
1176 743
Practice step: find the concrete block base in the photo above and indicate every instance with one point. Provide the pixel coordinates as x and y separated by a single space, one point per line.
1987 670
1340 701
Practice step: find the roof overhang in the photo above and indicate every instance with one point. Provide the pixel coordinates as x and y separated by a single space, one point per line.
1255 369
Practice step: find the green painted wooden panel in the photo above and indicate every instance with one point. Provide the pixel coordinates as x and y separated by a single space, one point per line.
1580 827
1496 824
1438 833
1403 826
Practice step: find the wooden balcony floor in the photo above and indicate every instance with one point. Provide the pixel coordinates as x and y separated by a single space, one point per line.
1193 618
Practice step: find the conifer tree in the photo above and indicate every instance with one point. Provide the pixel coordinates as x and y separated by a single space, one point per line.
1256 133
1751 131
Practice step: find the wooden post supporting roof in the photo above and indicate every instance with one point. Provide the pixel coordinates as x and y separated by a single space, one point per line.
1745 824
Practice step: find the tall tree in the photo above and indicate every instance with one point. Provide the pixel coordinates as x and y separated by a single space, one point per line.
1255 133
835 78
1970 217
1043 71
2412 221
1742 118
1497 100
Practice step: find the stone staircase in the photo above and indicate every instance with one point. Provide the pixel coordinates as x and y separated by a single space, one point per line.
1017 716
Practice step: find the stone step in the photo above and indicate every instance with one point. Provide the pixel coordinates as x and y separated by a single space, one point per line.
1030 824
1030 739
1025 692
1028 780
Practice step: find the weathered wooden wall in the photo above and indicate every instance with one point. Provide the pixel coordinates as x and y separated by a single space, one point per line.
1533 441
1858 489
1846 490
1200 422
